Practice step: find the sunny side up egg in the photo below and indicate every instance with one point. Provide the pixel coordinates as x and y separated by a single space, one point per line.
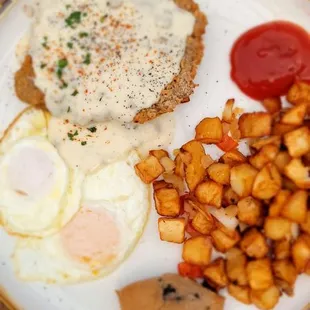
114 210
39 194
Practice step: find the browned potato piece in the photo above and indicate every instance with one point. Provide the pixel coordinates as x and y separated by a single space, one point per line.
161 184
249 210
261 142
209 192
279 129
272 105
277 228
288 184
171 230
167 202
241 293
209 130
242 178
265 299
159 154
282 160
284 287
219 173
306 225
236 262
233 158
267 154
168 164
298 141
197 251
176 181
228 114
259 274
278 202
202 223
285 270
149 169
256 124
296 207
179 166
299 93
222 241
254 244
229 197
194 171
295 115
282 249
267 182
297 172
215 273
301 254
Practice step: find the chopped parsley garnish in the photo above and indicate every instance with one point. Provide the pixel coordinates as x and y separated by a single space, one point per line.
64 85
72 135
83 34
83 143
87 59
62 63
84 14
74 18
70 44
92 129
44 43
69 109
68 6
74 93
43 65
102 18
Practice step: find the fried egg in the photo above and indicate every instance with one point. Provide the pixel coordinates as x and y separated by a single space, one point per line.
39 194
100 236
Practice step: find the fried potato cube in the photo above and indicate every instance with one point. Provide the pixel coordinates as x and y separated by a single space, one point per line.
171 230
254 244
249 210
297 172
299 93
256 124
168 164
282 249
228 114
242 179
222 241
267 182
149 169
161 184
215 273
295 115
298 141
219 173
282 160
272 105
285 270
233 158
261 142
306 225
296 207
277 228
236 262
267 154
167 202
280 199
241 293
259 274
265 299
229 197
202 223
210 192
301 254
179 166
280 129
197 251
284 287
209 130
194 171
159 154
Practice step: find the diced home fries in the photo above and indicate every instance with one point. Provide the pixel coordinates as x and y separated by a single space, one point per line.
253 209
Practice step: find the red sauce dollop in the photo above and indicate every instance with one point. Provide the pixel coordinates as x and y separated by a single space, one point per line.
268 59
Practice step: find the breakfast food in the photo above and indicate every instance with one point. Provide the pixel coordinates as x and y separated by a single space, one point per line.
119 60
253 209
5 301
39 194
169 292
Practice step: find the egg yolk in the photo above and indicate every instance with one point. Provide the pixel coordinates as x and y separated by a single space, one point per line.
92 237
30 172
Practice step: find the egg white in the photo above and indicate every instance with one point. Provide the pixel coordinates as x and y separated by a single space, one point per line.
119 192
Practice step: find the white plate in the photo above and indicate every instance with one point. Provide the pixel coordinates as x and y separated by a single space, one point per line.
227 20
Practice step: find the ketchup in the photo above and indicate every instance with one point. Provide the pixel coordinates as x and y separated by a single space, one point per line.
268 59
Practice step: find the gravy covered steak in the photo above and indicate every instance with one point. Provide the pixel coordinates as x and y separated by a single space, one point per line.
125 60
169 292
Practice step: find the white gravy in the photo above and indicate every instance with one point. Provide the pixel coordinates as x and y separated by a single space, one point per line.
99 60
